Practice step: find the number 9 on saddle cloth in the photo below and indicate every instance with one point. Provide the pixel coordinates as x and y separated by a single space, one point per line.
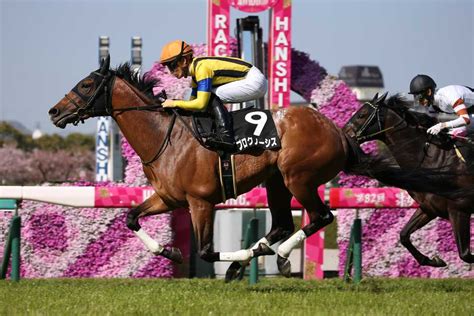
249 128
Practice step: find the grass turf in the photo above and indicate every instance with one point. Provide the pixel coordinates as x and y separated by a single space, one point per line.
271 296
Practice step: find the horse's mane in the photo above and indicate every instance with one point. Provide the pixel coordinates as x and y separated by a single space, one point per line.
143 83
402 106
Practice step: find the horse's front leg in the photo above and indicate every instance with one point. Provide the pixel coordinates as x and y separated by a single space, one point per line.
417 221
151 206
202 216
461 223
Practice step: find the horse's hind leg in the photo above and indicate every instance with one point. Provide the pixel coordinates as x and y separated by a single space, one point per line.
461 223
417 221
151 206
319 216
279 201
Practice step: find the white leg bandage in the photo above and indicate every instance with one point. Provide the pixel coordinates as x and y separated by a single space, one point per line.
151 244
241 255
261 241
285 248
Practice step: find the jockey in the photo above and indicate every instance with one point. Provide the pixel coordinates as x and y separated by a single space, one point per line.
453 99
232 80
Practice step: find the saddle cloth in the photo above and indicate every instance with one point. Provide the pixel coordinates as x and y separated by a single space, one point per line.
253 128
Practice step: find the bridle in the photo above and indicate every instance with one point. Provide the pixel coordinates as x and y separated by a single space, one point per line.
376 113
106 84
89 110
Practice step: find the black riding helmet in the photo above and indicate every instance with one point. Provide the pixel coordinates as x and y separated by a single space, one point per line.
420 86
421 83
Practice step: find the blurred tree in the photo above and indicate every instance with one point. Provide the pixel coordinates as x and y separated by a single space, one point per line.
82 141
13 137
50 142
50 158
62 166
15 167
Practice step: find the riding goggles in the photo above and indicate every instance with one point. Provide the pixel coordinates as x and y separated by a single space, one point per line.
172 65
421 97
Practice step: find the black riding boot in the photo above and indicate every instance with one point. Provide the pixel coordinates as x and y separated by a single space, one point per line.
225 136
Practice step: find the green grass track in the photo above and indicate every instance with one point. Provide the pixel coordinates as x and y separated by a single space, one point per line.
271 296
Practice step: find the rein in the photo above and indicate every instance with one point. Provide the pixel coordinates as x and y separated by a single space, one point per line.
167 139
166 142
366 124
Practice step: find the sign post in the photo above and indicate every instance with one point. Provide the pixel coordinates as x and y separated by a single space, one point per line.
279 44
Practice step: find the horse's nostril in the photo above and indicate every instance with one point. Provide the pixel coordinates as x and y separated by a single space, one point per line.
53 112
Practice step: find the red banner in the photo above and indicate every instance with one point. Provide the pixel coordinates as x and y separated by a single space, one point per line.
218 35
279 42
279 55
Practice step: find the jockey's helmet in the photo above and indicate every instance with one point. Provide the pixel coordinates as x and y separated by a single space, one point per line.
421 83
173 51
419 87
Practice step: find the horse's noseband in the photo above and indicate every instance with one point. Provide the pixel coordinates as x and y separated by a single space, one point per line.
82 112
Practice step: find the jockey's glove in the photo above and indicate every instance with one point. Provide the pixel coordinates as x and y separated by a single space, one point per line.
434 130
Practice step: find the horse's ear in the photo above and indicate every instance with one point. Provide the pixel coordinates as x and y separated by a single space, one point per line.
105 65
382 98
376 96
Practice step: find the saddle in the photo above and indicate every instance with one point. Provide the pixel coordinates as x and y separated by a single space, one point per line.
252 129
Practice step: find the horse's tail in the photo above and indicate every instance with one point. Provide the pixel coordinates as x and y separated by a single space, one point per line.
436 180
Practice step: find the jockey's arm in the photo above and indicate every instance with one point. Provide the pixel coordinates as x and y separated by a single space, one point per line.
197 102
201 92
463 119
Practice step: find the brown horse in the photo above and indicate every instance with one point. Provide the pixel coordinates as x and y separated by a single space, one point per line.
404 133
185 174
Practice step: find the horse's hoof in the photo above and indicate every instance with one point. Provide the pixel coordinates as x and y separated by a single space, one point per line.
233 271
284 266
263 250
174 254
468 259
438 262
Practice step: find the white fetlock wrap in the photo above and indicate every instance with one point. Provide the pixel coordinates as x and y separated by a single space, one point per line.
261 241
149 242
285 248
240 255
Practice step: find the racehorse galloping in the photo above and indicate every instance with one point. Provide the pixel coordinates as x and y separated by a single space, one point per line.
404 132
185 174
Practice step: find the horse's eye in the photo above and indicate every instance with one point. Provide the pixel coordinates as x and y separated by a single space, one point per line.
360 115
87 85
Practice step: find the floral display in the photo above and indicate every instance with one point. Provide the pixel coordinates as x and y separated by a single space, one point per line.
62 241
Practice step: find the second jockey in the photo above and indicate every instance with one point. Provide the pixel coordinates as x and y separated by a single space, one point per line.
452 99
231 80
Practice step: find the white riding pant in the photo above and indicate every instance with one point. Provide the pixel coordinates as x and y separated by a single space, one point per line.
252 87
